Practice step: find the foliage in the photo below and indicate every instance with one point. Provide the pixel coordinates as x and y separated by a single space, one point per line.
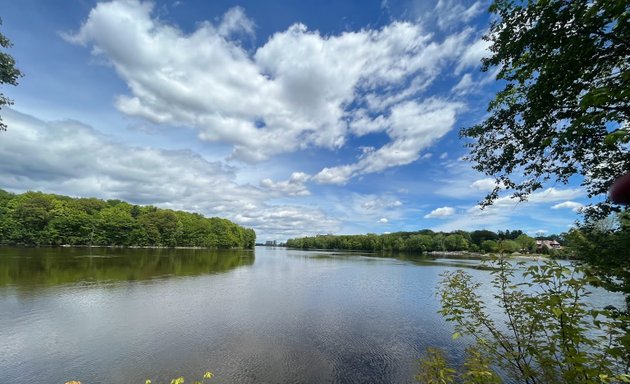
605 250
181 380
545 332
420 241
564 109
35 218
8 73
434 369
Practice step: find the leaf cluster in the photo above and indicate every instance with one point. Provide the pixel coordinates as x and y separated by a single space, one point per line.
540 330
603 245
9 74
565 106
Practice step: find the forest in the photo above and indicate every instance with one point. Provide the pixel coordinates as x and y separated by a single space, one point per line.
35 218
424 241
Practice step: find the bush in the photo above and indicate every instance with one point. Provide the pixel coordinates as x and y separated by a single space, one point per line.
547 333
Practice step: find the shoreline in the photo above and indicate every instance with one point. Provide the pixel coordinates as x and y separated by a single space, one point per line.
117 246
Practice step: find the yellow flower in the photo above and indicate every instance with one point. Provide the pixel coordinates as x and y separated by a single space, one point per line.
208 375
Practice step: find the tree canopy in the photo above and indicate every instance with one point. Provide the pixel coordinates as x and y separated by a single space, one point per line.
35 218
8 73
565 108
422 241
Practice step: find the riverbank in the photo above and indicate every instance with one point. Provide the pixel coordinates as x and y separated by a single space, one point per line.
118 246
477 255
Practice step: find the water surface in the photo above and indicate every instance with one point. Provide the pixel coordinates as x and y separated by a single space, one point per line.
269 316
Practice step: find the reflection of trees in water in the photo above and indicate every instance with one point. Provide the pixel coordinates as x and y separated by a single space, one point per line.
52 266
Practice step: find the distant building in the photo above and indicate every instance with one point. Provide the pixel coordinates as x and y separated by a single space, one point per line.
271 243
550 244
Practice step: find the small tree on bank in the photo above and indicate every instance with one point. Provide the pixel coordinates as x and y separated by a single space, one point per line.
539 331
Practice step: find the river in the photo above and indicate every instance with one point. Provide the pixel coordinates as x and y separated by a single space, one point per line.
270 315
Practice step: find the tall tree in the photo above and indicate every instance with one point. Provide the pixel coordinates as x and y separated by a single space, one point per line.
565 107
8 73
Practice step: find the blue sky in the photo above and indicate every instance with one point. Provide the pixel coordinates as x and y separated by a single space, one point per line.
293 118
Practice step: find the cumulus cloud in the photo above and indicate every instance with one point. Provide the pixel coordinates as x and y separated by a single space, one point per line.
383 220
505 204
486 184
373 203
71 158
572 205
292 93
412 126
295 186
440 213
235 22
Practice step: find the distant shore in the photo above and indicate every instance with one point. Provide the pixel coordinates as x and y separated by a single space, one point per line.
114 246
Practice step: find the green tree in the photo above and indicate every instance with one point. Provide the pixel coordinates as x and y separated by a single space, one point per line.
539 331
478 237
9 74
455 242
70 225
115 224
489 246
526 243
31 211
564 109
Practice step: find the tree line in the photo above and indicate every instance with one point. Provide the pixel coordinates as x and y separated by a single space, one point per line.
423 241
36 218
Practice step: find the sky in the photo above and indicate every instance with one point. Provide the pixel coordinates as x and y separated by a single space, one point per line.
291 118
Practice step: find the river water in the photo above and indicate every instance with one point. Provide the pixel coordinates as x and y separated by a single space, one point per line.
266 316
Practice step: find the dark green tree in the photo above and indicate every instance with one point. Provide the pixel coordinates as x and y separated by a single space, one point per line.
35 218
565 108
8 73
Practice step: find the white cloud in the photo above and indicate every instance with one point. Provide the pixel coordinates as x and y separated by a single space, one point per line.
371 202
465 85
572 205
335 175
292 187
412 126
291 93
554 194
486 184
451 12
473 54
506 204
440 213
236 22
383 220
444 155
68 157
